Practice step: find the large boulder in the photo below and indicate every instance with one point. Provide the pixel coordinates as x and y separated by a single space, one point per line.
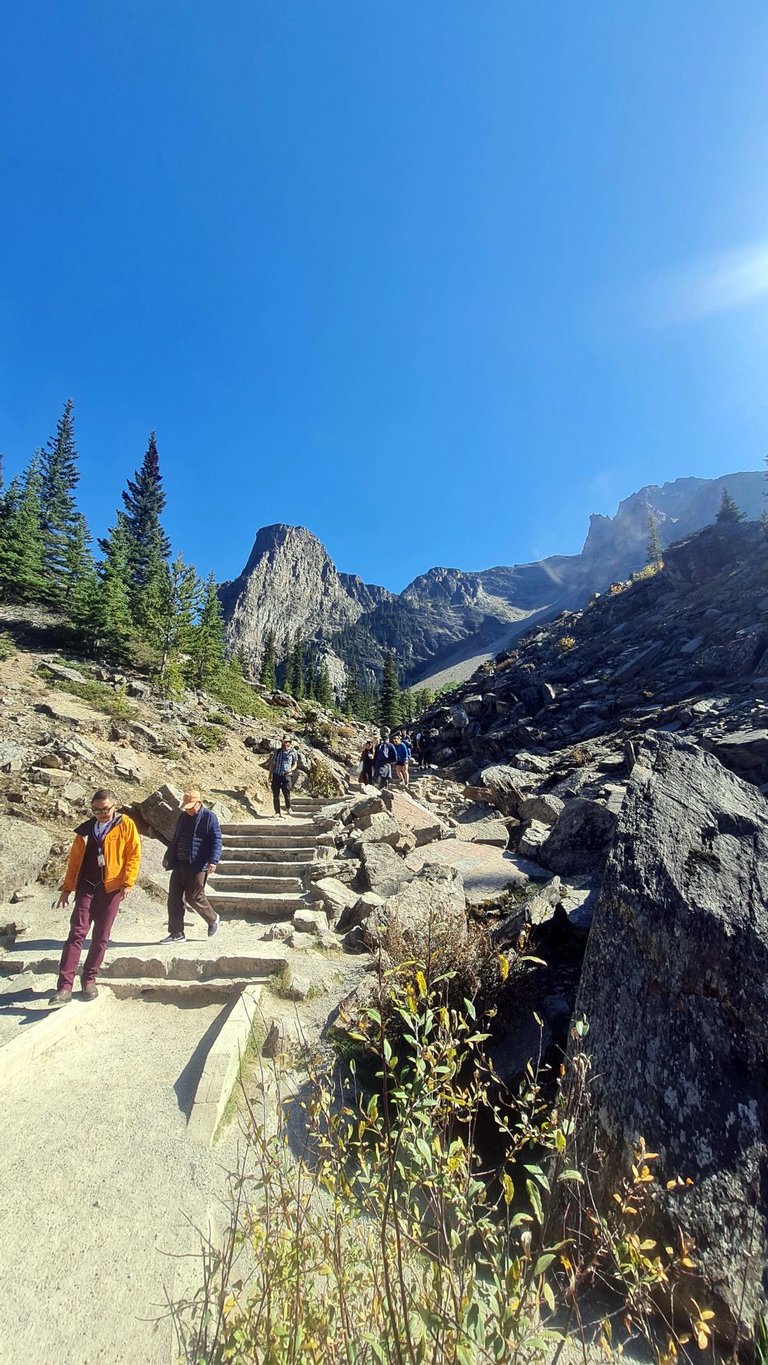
675 989
383 870
507 787
414 818
580 840
161 809
428 911
24 850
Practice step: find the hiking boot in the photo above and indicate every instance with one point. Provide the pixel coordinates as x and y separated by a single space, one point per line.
213 928
174 938
90 991
59 998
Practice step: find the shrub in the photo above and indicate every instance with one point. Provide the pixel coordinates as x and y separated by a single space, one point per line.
566 642
7 645
386 1241
208 737
321 779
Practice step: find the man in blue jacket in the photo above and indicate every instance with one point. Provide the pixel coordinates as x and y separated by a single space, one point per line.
193 852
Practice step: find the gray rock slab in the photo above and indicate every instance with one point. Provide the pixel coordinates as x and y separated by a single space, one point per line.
24 850
675 988
485 871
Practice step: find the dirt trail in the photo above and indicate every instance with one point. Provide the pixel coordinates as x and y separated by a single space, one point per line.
100 1185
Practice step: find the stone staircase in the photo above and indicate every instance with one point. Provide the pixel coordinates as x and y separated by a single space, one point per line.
265 865
263 876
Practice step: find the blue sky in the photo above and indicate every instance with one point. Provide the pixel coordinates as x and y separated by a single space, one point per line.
436 280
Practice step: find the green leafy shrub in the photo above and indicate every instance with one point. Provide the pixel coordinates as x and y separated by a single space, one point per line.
208 737
321 779
7 645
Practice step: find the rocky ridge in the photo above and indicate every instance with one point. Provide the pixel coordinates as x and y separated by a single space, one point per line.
446 617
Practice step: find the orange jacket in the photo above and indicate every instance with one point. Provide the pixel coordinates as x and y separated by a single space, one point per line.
122 855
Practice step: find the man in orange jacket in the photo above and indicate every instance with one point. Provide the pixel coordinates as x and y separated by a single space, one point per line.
103 865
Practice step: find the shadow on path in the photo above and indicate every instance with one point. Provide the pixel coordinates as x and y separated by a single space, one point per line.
187 1081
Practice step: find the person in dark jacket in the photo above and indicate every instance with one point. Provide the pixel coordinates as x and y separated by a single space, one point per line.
384 758
193 852
282 765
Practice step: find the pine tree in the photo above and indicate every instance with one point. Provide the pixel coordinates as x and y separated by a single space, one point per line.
82 583
729 510
181 607
113 624
295 674
389 699
59 477
654 555
208 638
22 572
268 673
9 502
323 689
149 547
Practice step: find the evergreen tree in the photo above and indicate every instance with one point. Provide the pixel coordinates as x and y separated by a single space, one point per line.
323 689
149 547
729 510
654 555
295 674
352 702
181 607
113 623
268 671
9 502
208 637
22 570
59 477
389 699
82 583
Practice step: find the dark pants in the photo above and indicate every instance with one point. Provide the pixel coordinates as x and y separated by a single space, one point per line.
95 909
281 782
189 886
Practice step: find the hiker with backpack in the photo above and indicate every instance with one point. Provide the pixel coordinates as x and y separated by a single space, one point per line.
384 758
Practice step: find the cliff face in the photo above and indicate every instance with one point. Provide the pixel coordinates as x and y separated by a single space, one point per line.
289 585
448 619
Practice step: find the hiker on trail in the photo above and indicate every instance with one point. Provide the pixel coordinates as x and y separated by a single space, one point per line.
383 758
366 762
282 766
402 757
192 854
103 864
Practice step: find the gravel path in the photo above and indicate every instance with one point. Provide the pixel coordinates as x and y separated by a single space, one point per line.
100 1185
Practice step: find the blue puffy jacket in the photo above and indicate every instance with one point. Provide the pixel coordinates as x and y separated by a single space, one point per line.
206 841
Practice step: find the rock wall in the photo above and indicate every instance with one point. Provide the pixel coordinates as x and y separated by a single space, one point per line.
675 989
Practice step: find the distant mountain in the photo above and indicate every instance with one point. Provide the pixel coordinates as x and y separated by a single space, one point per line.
447 620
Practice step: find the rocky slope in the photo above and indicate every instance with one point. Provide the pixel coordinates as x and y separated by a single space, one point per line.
448 620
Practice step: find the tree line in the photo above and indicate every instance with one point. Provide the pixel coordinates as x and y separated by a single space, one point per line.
132 600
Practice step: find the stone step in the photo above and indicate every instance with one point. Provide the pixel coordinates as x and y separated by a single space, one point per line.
184 965
178 992
261 867
227 884
269 841
233 833
299 855
250 903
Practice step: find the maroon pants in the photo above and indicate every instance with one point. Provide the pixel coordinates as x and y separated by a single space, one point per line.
95 909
